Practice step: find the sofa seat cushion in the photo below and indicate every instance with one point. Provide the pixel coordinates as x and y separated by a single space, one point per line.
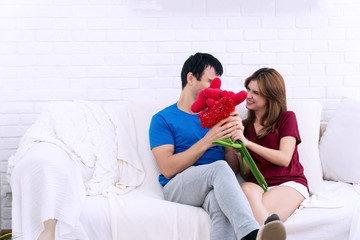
95 217
333 215
139 216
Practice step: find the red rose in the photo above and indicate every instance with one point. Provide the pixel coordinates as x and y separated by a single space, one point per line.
219 111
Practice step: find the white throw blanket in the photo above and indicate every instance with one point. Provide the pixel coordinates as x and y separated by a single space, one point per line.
100 140
131 171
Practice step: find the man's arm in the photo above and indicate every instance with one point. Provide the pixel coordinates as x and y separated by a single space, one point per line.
232 158
171 164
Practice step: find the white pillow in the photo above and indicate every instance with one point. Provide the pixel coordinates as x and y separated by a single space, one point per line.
308 115
142 113
339 148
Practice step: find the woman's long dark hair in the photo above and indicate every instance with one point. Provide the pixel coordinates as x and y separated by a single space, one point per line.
272 87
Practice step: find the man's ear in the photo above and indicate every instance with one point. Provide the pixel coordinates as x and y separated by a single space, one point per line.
190 78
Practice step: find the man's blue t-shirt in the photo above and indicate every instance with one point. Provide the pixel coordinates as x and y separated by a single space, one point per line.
176 127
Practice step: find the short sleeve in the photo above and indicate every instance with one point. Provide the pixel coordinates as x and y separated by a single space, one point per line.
288 126
160 132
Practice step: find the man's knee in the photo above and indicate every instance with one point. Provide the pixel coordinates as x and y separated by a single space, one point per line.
221 166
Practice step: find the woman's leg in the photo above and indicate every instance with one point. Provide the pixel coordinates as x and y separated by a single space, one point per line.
254 194
282 200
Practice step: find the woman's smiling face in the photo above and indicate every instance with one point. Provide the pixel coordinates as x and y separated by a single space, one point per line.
255 101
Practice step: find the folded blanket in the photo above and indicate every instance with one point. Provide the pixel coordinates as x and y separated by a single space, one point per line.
92 135
131 172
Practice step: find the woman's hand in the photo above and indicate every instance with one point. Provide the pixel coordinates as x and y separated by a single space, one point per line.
238 133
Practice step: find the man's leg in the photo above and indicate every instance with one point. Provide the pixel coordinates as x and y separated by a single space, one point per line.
193 185
221 228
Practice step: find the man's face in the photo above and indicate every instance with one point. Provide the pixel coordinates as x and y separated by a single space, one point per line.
205 80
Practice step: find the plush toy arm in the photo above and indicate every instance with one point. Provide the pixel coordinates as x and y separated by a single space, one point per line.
211 92
239 97
215 83
200 103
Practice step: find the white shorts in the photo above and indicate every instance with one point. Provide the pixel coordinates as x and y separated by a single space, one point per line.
297 186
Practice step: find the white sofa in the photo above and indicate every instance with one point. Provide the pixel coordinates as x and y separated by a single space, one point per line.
48 182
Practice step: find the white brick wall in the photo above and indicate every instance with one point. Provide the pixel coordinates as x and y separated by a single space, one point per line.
107 50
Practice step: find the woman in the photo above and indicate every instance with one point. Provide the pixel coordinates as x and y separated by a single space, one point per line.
271 135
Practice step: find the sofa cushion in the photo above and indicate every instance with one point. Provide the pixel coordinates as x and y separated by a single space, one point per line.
308 115
339 148
142 113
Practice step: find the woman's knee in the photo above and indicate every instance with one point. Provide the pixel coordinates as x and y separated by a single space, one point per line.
251 189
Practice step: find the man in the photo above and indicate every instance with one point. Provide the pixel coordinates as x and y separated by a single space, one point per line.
193 170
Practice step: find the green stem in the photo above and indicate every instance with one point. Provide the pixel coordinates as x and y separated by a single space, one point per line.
245 155
8 236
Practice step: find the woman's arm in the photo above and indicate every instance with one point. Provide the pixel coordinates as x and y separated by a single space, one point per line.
233 158
281 157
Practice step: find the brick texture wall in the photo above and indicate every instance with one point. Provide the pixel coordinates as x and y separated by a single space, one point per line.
115 50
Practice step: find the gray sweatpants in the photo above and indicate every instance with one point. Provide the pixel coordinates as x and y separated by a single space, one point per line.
215 188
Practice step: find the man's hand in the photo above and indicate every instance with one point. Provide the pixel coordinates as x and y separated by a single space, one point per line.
224 129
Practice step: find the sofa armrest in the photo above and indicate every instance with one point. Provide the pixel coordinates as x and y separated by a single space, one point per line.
322 129
46 184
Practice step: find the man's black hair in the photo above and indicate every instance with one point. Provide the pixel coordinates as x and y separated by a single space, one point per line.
197 63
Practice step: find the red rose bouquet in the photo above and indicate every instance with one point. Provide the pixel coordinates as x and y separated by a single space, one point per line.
216 105
220 110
